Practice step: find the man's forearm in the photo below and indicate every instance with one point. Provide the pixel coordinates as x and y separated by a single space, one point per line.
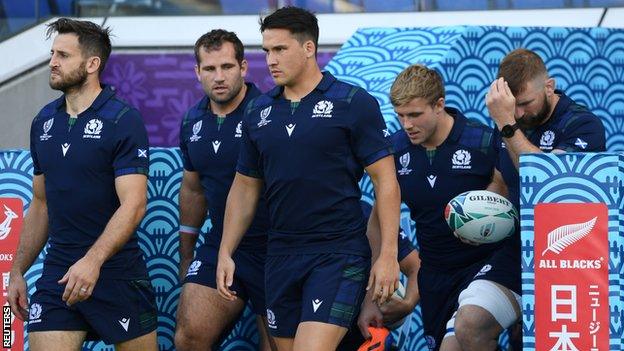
117 232
519 144
389 213
33 237
192 215
239 213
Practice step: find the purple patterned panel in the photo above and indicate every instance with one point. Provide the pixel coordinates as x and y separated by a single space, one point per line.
163 86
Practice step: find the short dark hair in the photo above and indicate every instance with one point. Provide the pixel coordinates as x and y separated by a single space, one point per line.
520 67
214 39
301 23
93 39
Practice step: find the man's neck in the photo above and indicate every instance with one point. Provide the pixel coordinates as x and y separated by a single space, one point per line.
81 98
230 106
304 84
443 130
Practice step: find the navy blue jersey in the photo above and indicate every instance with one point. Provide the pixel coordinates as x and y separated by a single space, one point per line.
571 128
210 146
80 165
429 180
311 157
405 246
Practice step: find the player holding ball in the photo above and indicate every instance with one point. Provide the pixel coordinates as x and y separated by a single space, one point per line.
439 154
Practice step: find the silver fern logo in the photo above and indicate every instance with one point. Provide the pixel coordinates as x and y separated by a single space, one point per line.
566 235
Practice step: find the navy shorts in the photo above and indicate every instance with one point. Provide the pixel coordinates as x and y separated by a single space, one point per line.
248 276
327 288
439 291
504 267
116 311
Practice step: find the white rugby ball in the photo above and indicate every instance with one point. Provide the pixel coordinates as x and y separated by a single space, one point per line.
481 216
398 294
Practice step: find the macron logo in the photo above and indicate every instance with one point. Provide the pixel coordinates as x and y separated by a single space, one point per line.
65 148
215 145
124 323
316 304
431 179
290 128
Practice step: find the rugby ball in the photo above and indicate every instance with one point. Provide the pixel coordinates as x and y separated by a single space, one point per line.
398 294
481 216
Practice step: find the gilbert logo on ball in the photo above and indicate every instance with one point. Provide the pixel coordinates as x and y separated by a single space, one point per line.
481 216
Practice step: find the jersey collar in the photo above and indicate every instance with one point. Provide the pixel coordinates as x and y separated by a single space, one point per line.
106 94
458 125
561 107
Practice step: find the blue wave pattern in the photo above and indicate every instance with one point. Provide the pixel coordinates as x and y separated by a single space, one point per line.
158 238
550 178
588 64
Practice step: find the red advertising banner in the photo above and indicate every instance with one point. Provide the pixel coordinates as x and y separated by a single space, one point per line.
11 219
571 277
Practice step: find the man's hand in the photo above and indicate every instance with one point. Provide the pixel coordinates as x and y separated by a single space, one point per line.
501 103
466 241
80 280
395 309
225 277
370 315
384 278
17 296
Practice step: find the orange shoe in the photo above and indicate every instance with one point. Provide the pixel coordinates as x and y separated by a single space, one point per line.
377 342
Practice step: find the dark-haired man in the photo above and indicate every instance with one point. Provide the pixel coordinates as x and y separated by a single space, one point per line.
90 158
210 139
531 116
307 143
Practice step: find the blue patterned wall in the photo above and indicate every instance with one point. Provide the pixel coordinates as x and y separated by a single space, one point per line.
587 63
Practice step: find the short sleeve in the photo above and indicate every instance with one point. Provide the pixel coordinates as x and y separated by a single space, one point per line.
498 145
186 159
33 149
249 157
367 135
131 154
583 133
405 246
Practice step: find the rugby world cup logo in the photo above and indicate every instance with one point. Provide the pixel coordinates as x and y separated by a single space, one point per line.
404 161
239 130
46 128
196 129
264 114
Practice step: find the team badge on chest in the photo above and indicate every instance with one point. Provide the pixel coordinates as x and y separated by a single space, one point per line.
93 129
323 109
